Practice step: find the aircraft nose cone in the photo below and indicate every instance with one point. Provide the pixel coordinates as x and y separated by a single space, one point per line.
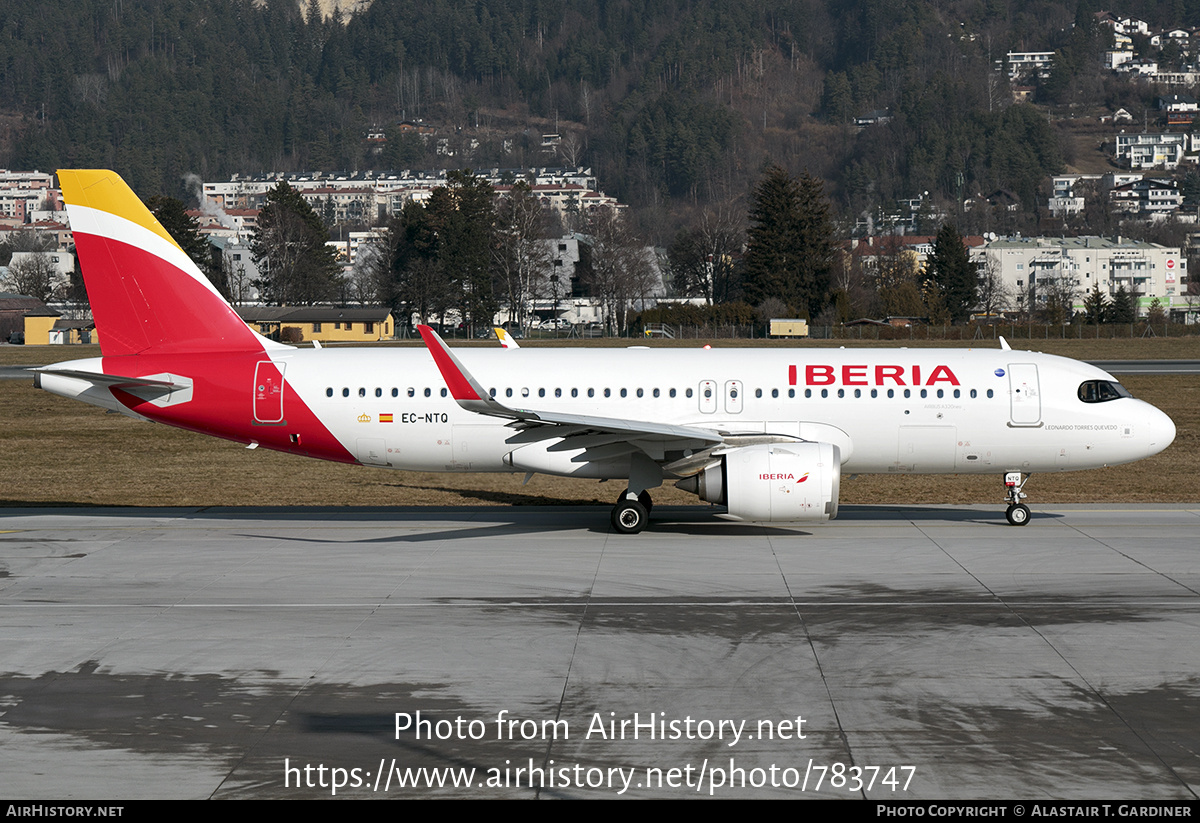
1162 431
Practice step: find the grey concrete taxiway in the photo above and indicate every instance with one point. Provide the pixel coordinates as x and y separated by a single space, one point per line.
930 652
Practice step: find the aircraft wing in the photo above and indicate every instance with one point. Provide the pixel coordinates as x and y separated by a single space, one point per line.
583 431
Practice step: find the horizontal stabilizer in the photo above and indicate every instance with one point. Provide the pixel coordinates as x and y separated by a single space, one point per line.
113 381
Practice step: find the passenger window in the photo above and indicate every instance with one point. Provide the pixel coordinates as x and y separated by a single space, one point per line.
608 392
940 393
858 392
672 392
444 392
989 393
362 392
428 393
874 392
541 392
591 392
656 392
508 392
924 393
907 393
774 392
395 392
378 392
824 393
973 394
639 392
329 392
623 393
791 392
558 392
891 393
345 392
413 392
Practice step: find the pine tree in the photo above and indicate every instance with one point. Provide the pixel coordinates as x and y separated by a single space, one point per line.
954 274
790 243
172 215
301 269
1095 305
1122 308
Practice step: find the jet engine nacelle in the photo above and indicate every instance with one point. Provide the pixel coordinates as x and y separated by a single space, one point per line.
777 481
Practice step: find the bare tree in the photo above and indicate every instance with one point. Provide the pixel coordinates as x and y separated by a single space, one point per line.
570 149
853 292
621 268
703 258
362 282
521 256
1056 295
899 279
992 295
34 274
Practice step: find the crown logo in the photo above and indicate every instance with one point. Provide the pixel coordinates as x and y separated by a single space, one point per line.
364 418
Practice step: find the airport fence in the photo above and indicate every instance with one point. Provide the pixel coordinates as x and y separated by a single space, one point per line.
972 331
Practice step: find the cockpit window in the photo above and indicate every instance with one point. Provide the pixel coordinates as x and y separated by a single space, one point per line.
1100 391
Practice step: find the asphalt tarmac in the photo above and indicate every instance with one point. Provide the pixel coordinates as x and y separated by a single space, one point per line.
912 653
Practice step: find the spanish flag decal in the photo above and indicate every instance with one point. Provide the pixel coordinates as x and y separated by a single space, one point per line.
385 418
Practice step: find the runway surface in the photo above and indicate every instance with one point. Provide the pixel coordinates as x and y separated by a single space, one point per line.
187 653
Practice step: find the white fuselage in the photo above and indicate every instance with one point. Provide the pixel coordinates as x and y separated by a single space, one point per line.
888 410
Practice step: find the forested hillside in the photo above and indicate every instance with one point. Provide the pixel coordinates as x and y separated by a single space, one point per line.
675 103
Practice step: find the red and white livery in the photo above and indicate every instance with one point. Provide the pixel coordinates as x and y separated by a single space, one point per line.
766 433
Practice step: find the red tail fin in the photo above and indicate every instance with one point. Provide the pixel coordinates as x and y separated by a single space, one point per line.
146 293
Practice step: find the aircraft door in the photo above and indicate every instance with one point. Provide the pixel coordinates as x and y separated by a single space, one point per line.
733 396
708 396
1025 396
268 392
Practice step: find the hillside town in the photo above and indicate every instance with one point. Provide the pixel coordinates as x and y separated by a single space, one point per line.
1018 277
1112 236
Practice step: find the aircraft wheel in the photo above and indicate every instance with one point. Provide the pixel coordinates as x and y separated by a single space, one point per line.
629 517
1018 515
643 498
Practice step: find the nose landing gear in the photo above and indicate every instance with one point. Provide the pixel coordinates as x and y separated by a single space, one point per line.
1018 513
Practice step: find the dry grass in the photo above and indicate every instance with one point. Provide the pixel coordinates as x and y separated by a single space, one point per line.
59 452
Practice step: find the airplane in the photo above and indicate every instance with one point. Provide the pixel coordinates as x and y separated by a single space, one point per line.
765 433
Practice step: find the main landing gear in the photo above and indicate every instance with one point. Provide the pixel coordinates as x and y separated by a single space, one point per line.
1018 513
630 514
633 507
